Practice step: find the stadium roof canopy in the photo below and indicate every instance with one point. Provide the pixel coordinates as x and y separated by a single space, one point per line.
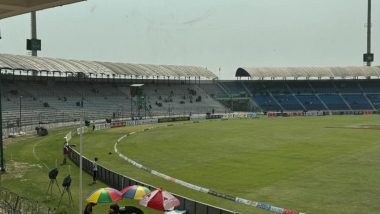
10 8
309 72
50 66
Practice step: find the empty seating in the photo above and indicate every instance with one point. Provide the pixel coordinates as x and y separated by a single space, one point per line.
357 102
289 102
300 87
234 88
347 86
48 102
323 87
256 88
334 102
375 100
267 103
311 102
370 86
302 95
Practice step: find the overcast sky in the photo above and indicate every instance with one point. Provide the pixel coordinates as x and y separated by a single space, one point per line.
208 33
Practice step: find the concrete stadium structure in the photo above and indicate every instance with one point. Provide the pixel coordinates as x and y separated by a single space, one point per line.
45 90
9 8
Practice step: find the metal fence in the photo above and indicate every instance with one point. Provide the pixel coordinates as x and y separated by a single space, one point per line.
11 203
118 181
31 129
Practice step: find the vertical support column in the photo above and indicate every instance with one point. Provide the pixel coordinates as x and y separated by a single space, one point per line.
20 98
369 26
2 167
81 126
34 29
368 57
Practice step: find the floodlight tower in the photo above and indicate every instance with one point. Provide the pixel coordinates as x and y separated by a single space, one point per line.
33 44
368 57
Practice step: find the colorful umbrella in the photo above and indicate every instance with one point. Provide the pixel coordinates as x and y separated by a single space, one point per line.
160 200
103 196
134 192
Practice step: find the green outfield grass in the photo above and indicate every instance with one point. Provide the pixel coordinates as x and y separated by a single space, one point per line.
311 164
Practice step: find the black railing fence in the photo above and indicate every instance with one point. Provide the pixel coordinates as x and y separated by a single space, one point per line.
12 203
118 181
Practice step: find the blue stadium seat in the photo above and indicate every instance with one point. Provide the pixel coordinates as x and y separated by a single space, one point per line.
375 100
234 88
370 86
266 103
311 102
288 102
333 102
347 87
357 102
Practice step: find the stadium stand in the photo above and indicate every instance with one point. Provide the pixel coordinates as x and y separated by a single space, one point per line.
267 103
369 86
289 102
311 102
234 88
312 88
375 100
334 102
357 101
214 90
45 90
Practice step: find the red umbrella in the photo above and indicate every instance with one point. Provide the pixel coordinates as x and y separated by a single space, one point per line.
160 200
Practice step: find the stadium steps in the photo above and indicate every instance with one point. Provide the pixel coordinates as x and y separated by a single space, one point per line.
311 102
365 96
210 101
220 85
357 101
293 94
276 101
254 104
345 101
304 108
213 90
252 101
312 89
369 101
375 100
246 89
323 103
334 101
125 90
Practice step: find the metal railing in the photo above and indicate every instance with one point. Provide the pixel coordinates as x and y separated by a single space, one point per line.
118 181
12 203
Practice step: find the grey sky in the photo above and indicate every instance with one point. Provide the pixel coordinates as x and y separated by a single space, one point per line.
212 33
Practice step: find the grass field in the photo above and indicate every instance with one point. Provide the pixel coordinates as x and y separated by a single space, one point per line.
314 164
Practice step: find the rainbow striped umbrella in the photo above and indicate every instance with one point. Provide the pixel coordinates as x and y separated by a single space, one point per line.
134 192
103 196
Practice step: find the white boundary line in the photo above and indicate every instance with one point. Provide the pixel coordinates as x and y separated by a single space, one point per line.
36 156
202 189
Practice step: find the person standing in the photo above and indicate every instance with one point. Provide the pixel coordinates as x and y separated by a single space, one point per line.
88 208
94 170
65 152
114 209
